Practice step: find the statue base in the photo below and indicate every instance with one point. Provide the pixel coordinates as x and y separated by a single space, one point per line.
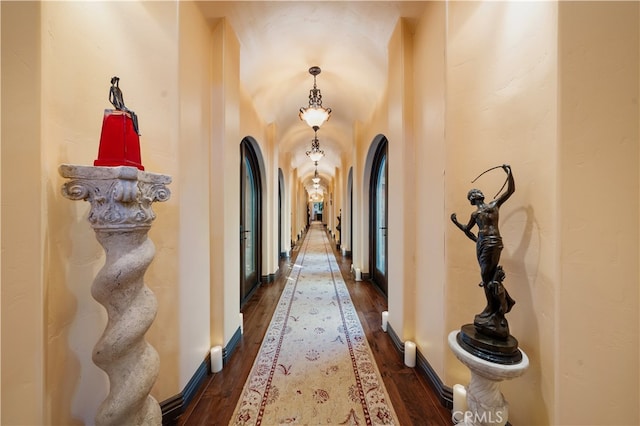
486 404
504 352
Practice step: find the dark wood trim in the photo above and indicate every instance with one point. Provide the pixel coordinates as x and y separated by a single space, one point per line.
442 391
172 408
266 279
196 380
399 345
228 350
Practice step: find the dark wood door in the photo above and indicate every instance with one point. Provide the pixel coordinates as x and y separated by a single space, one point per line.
378 218
249 222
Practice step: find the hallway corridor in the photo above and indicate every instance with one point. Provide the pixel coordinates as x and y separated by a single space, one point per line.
412 399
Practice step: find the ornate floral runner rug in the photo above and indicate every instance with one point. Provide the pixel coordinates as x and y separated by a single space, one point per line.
315 365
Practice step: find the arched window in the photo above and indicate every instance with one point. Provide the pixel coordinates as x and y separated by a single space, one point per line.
250 232
378 197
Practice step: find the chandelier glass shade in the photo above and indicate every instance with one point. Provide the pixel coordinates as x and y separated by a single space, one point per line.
315 153
315 114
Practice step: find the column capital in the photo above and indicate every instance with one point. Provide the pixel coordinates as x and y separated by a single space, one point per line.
120 197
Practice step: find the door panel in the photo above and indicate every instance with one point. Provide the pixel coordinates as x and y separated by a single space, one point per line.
249 223
378 218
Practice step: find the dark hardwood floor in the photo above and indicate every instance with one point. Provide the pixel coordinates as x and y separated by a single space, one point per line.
414 401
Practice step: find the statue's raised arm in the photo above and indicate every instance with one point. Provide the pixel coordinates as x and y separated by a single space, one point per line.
511 185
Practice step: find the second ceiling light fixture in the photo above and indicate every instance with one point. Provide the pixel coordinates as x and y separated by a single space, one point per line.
315 115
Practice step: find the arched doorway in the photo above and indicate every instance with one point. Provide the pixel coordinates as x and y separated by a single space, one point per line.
280 253
378 196
250 214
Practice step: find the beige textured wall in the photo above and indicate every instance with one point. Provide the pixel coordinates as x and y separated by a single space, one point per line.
429 75
302 202
296 221
501 108
338 199
191 192
597 322
0 235
58 58
266 136
364 135
551 89
401 210
69 81
22 297
225 196
270 252
359 245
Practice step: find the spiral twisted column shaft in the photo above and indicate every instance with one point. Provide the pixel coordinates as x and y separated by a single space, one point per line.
484 397
121 217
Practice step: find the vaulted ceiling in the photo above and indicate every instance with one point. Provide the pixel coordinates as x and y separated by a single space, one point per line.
281 40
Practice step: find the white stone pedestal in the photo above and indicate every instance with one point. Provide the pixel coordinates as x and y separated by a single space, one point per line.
121 217
486 404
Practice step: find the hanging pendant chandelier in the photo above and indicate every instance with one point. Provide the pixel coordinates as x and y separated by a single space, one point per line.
316 178
315 153
314 115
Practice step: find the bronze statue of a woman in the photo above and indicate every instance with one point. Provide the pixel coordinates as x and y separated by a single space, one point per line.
489 246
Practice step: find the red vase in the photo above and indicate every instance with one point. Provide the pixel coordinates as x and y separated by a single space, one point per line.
119 142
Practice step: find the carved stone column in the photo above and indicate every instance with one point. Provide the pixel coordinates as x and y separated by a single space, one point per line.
487 405
121 217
